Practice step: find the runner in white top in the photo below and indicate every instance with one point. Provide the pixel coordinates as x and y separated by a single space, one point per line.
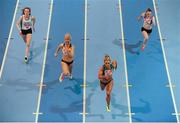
25 25
149 21
67 57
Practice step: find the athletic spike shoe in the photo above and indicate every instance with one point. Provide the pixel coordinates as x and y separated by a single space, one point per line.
143 47
25 59
70 77
61 77
108 108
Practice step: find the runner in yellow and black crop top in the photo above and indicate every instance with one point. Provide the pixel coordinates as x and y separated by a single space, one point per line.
25 24
106 78
67 57
146 30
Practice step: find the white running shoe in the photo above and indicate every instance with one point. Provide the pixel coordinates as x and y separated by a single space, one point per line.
108 108
70 76
25 59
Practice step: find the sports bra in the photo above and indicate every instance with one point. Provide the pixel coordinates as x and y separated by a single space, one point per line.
64 51
107 71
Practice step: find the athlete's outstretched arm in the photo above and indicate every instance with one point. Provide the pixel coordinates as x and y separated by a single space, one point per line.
141 16
114 63
153 20
18 23
57 50
34 21
100 74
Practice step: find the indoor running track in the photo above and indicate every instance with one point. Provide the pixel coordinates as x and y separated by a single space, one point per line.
145 83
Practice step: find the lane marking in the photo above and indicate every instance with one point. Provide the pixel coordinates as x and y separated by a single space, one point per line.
44 63
166 64
41 84
125 65
131 113
172 86
83 113
84 83
40 113
127 85
176 114
9 38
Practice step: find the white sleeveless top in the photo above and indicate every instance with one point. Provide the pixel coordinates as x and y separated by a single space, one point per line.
148 22
26 24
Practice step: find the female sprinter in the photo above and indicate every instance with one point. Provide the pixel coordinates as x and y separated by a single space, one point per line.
67 57
146 30
25 25
106 78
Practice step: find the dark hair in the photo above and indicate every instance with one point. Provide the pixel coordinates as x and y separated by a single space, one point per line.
148 10
28 9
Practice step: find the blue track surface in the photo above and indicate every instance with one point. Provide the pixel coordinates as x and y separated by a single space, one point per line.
63 101
170 32
146 72
6 11
19 90
150 99
104 34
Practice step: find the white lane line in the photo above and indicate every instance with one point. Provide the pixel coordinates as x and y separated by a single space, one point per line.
83 113
166 64
171 86
44 62
9 38
84 83
125 65
37 113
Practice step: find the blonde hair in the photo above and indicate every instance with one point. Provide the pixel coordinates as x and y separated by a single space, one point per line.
68 35
107 57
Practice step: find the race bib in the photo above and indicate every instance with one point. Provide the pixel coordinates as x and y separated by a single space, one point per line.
108 72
